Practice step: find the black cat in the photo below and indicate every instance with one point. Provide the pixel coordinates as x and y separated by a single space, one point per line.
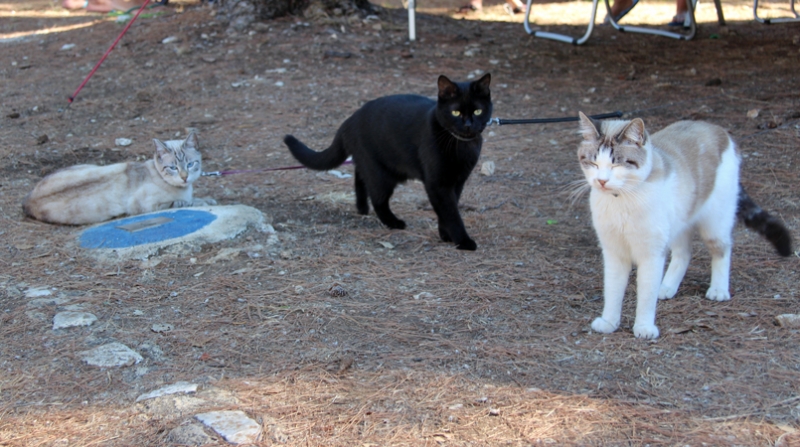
400 137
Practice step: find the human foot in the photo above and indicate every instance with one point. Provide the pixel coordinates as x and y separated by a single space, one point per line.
620 8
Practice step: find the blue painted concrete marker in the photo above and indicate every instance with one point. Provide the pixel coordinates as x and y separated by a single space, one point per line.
146 229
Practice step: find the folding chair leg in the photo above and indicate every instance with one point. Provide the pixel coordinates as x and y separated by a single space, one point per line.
412 20
720 17
796 17
692 25
561 37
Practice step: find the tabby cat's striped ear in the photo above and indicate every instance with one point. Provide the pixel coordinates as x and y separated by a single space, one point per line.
161 148
191 140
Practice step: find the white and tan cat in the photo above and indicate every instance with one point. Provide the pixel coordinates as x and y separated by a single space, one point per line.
84 194
649 194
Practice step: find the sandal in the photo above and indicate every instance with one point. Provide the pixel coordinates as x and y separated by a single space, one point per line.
469 7
678 20
512 10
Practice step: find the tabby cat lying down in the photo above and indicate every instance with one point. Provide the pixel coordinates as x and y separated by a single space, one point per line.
85 194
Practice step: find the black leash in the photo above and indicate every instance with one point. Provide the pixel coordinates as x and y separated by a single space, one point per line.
566 119
497 121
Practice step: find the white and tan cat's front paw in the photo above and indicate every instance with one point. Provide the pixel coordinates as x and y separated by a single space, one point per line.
718 294
203 201
647 331
602 326
667 291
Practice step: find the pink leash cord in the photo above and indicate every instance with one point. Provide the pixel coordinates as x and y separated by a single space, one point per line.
72 98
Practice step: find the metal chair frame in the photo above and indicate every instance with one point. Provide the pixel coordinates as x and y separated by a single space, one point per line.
690 27
796 17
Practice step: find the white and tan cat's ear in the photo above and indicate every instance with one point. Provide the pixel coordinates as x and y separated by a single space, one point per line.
191 140
161 148
590 129
634 132
447 88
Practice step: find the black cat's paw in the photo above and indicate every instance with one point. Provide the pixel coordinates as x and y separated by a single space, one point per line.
363 210
467 244
397 224
444 236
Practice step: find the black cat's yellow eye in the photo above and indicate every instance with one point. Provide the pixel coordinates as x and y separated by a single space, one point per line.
456 113
477 112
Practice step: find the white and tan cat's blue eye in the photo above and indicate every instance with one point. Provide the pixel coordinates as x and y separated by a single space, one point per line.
456 113
477 112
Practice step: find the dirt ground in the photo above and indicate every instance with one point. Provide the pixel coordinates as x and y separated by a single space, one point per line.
430 345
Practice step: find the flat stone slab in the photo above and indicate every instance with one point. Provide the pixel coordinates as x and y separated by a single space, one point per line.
235 426
175 388
141 236
73 319
111 355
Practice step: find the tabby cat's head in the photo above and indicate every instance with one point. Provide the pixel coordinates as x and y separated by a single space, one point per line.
178 161
614 154
464 108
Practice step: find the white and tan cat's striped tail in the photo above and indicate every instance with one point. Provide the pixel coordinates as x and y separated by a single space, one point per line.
766 224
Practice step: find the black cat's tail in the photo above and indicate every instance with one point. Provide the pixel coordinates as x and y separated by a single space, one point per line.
330 158
764 223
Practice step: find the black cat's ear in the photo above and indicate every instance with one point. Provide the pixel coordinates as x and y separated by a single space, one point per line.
482 84
191 140
634 132
590 129
447 88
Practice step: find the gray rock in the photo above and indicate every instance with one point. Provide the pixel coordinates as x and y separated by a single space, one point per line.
72 319
181 405
788 320
175 388
162 327
234 426
110 355
171 406
153 351
37 292
189 434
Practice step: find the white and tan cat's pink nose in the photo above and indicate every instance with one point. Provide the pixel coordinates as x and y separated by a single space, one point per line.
602 182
